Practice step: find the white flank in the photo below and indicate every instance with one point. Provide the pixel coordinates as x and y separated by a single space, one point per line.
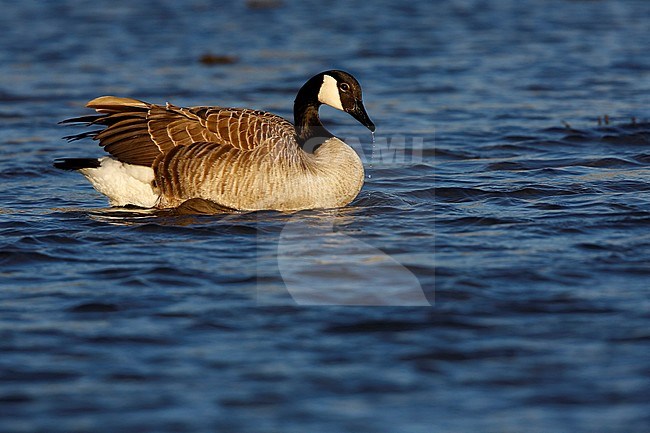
122 183
329 93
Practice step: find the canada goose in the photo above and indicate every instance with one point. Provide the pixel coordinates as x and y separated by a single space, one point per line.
237 158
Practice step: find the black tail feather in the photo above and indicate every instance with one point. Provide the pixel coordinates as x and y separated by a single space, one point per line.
76 163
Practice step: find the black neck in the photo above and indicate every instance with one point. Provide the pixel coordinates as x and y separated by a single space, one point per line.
309 129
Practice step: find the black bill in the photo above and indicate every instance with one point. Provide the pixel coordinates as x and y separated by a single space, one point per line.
359 113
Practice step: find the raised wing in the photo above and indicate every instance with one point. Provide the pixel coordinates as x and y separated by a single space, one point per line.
137 132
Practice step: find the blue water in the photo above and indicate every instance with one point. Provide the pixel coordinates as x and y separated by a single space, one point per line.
492 276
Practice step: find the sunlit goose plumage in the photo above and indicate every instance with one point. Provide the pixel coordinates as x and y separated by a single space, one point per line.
237 158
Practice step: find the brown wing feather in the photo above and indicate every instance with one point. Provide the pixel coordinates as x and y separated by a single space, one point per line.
137 132
240 128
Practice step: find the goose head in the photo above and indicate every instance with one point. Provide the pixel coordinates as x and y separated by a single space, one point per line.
342 91
335 88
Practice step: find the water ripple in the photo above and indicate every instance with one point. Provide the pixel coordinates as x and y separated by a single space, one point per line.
513 192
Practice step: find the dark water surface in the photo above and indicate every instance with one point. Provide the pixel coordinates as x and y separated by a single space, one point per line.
494 195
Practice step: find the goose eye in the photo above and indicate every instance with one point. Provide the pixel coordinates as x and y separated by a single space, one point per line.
344 87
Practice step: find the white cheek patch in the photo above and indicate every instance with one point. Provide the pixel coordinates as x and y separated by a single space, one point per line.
329 93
